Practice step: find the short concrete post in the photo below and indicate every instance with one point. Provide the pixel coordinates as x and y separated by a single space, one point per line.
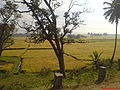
118 64
58 80
101 74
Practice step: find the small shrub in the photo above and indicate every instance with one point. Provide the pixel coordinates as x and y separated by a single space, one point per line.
82 76
96 58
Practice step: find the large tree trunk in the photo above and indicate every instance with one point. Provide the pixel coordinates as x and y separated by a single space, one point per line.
60 57
0 49
0 52
115 45
61 64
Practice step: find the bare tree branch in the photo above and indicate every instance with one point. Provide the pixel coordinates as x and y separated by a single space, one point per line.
77 58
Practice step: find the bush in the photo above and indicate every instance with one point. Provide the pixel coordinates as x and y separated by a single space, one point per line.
96 58
82 76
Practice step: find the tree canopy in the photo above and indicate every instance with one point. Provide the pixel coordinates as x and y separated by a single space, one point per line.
7 24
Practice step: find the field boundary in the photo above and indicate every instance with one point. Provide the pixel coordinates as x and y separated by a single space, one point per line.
28 49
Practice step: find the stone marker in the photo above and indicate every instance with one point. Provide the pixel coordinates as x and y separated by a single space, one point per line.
58 80
101 74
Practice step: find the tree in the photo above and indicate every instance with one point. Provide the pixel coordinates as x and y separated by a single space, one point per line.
45 27
5 36
7 24
105 34
113 12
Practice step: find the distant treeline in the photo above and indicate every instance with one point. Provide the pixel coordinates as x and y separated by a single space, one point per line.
97 34
71 35
75 36
21 35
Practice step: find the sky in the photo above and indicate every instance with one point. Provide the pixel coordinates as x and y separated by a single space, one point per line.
95 21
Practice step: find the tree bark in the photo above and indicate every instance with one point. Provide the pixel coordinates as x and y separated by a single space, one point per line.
115 45
62 65
60 57
0 49
119 64
0 52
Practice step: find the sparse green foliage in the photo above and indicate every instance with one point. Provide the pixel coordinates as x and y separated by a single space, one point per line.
7 24
96 55
96 58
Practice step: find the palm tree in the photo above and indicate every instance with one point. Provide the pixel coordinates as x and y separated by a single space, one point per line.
113 12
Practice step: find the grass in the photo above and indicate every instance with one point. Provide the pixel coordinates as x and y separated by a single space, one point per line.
77 79
13 66
24 81
34 60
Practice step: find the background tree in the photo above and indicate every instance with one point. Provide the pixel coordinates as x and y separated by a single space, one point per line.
7 24
113 12
105 34
75 36
46 27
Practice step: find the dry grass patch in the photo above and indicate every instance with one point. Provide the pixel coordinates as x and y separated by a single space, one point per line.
7 67
34 60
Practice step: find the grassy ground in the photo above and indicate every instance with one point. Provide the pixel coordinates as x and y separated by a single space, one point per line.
35 60
26 81
9 63
80 79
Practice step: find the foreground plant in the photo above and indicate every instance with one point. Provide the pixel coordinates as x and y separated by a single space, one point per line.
96 58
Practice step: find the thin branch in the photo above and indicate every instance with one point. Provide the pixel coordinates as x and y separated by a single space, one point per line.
41 25
77 58
51 10
23 11
49 1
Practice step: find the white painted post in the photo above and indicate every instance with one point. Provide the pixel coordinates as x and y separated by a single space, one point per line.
101 74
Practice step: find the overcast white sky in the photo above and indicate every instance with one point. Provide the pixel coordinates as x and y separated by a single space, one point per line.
95 21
